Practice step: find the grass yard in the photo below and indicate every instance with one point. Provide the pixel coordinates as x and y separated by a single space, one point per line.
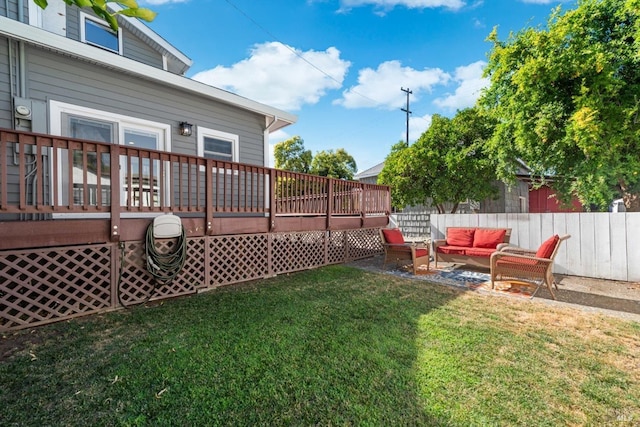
333 346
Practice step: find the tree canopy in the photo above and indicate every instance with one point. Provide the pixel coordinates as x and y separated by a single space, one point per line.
446 164
566 98
334 164
129 8
291 155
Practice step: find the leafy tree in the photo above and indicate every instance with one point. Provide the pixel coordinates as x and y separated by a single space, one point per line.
446 164
567 101
334 164
291 155
129 8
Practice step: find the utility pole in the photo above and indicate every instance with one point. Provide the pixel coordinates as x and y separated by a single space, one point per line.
406 110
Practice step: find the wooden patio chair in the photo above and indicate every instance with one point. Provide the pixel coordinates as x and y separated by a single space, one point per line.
529 265
396 249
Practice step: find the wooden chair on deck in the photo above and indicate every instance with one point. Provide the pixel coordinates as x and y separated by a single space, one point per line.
526 264
396 249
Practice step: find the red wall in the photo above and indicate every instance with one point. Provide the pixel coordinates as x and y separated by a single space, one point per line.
543 200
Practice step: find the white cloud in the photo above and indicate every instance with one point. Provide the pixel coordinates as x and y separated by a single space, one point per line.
470 83
417 126
386 5
381 87
281 76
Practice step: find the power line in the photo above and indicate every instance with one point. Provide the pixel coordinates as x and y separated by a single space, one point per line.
270 34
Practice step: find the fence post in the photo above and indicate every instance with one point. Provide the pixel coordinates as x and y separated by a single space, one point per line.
329 201
208 188
363 211
272 200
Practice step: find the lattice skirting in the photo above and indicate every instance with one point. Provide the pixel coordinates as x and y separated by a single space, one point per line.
40 286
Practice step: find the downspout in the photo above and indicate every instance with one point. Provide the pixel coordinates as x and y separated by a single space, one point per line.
266 140
21 58
10 62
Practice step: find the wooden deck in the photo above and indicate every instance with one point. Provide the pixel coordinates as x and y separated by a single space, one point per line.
73 216
69 194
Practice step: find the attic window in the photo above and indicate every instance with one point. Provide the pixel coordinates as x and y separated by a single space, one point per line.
97 33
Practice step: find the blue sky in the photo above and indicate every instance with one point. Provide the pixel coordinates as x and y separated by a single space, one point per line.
339 64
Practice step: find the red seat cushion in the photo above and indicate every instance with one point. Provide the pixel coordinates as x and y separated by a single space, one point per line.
421 252
488 238
546 248
457 250
460 237
483 252
393 236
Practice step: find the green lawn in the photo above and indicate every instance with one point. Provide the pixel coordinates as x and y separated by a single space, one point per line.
333 346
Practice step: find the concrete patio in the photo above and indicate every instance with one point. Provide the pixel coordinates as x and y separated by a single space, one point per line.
611 297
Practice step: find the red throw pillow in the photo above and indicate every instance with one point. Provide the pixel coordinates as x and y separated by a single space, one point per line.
546 248
488 238
460 237
393 236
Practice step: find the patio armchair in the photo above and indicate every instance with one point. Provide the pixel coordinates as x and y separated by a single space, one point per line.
529 265
396 249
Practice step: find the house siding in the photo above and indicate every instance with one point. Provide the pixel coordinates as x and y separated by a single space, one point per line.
52 77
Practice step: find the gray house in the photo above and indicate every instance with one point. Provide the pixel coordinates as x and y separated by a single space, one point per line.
64 72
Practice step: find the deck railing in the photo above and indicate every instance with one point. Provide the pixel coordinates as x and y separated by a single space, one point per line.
48 175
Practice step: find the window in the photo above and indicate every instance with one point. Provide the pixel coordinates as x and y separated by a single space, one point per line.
101 126
97 33
217 145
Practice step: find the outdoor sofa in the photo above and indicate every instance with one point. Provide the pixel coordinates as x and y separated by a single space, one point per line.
470 245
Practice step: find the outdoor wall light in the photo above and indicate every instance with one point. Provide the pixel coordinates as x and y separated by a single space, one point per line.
186 129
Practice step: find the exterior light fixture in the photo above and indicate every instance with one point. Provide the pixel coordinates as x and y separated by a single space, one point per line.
186 129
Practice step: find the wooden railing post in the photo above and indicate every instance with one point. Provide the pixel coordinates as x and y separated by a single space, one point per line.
115 193
208 188
363 209
272 200
329 201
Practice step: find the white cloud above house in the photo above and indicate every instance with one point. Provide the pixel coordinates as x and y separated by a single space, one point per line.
387 5
280 75
417 126
469 82
380 88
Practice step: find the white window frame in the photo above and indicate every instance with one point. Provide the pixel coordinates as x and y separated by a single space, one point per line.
58 110
83 18
203 132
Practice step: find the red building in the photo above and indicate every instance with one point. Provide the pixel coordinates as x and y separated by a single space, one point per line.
543 200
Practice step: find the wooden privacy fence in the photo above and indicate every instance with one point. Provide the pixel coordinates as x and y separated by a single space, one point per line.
40 286
602 245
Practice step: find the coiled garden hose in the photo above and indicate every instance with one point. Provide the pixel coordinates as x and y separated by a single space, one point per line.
165 267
